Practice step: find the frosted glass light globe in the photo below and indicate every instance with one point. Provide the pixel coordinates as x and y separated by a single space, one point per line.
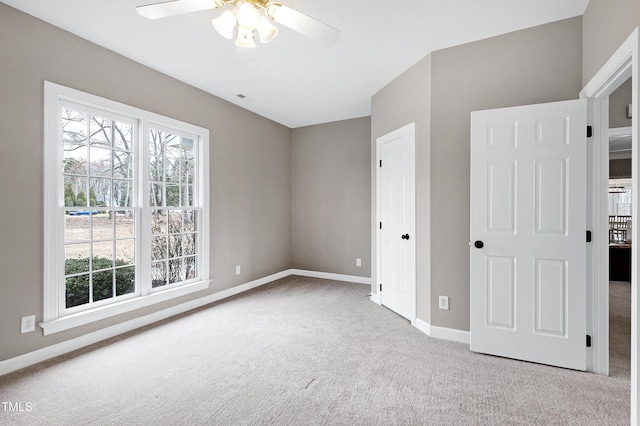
247 16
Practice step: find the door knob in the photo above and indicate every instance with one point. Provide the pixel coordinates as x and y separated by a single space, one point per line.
478 244
405 237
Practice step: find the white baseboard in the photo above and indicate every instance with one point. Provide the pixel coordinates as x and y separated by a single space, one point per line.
330 276
423 326
22 361
375 298
442 332
450 334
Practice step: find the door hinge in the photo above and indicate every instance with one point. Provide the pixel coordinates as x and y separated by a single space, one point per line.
588 236
588 341
380 163
589 131
380 286
380 225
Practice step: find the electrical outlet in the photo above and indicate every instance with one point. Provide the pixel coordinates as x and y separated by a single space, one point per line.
28 324
444 302
237 269
358 262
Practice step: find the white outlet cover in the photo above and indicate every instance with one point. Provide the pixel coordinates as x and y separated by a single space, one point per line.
238 270
444 302
358 262
28 324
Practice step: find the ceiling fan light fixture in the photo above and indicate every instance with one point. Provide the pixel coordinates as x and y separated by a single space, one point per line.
271 10
247 16
225 24
245 38
266 30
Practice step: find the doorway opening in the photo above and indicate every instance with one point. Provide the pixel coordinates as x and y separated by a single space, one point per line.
622 65
620 201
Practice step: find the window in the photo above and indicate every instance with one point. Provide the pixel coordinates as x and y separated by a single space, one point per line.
126 208
620 197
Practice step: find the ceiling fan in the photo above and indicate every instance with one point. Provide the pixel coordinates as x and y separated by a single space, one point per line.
244 18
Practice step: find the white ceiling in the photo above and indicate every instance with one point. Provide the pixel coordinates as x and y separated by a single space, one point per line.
293 80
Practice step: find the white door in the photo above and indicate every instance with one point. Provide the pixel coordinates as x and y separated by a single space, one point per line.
396 216
528 233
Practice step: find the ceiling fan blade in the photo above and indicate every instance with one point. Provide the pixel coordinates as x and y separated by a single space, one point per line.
171 8
304 24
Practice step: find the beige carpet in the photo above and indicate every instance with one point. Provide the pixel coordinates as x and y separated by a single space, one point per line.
619 329
303 352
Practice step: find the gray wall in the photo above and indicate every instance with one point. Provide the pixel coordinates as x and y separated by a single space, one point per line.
618 102
250 168
330 197
405 100
606 25
541 64
536 65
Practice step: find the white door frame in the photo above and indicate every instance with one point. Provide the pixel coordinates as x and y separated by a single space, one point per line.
622 65
409 129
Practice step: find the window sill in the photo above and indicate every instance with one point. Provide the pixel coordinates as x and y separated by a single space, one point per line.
87 317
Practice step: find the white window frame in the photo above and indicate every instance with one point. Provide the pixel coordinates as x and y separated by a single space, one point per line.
54 319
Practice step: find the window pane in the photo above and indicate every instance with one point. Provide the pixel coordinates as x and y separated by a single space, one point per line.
125 223
100 131
75 188
189 244
156 195
175 221
158 274
99 162
125 280
159 248
190 268
74 128
175 246
156 168
159 222
172 146
173 195
76 228
185 196
122 136
156 145
102 227
125 252
122 164
77 291
76 258
172 170
189 172
187 149
75 159
190 220
99 192
182 172
175 271
102 285
102 255
122 193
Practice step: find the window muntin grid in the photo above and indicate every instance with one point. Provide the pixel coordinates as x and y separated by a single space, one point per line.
87 119
99 219
99 193
174 218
